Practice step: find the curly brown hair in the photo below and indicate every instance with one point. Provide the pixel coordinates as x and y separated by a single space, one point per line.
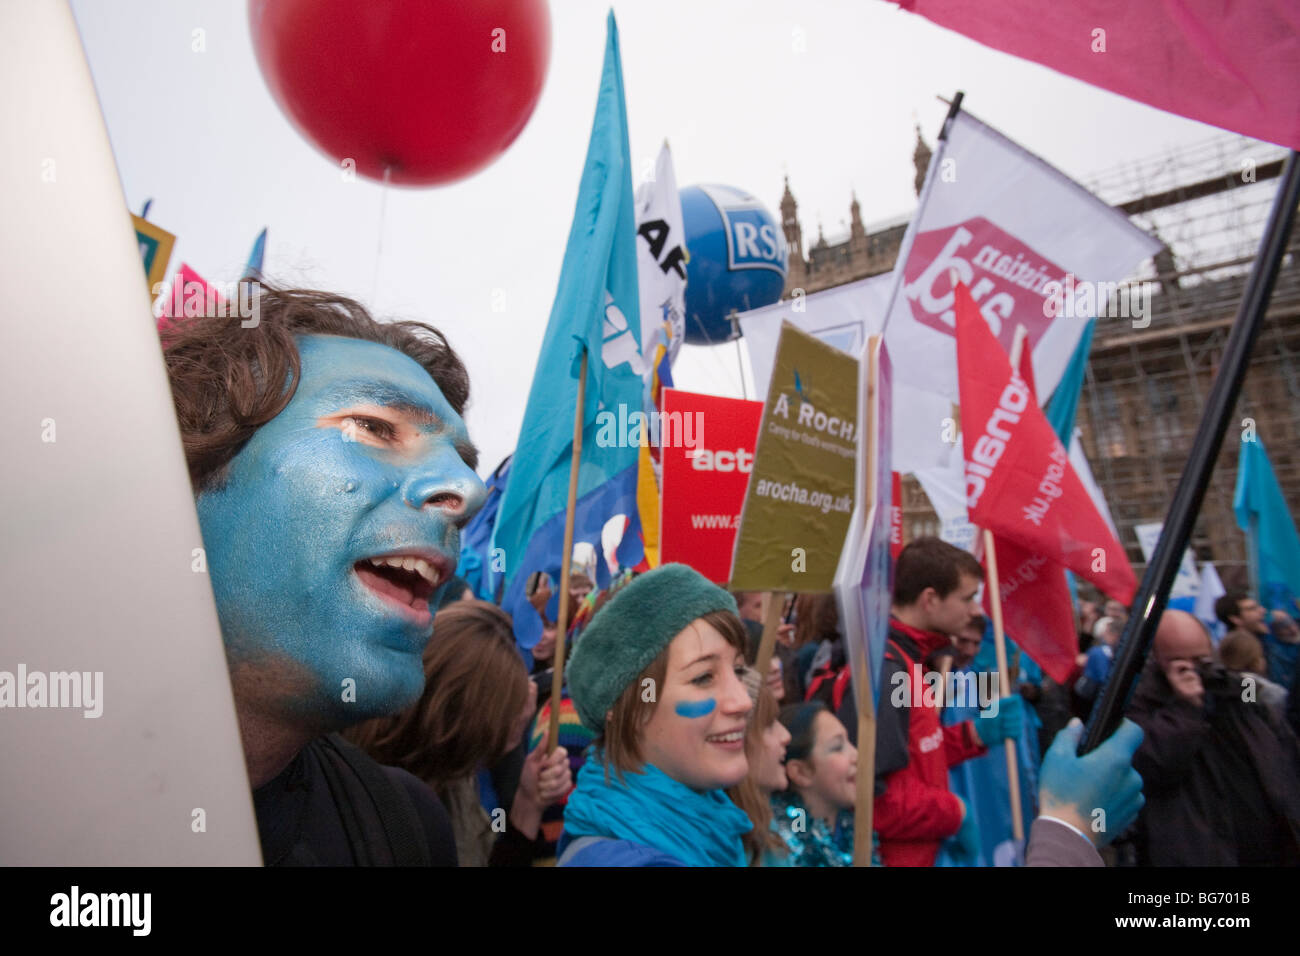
229 380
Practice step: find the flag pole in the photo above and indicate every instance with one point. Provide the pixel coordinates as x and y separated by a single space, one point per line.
1153 593
767 642
864 804
1004 680
863 687
740 358
999 635
562 624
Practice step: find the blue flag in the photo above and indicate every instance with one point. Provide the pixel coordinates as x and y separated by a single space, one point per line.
1271 533
477 565
596 309
253 269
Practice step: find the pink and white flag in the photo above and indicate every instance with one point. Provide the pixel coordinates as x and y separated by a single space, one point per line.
1029 242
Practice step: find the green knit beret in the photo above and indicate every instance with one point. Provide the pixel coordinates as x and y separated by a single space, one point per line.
631 630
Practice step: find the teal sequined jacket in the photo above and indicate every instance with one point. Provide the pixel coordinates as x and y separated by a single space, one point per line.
810 841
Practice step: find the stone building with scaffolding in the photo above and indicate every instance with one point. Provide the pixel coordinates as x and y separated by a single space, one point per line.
1147 379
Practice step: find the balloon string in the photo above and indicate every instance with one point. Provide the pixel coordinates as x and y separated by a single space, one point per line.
379 248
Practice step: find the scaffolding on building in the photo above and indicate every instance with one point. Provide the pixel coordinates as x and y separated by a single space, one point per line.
1148 377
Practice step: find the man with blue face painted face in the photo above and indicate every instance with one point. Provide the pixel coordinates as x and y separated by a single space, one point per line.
332 474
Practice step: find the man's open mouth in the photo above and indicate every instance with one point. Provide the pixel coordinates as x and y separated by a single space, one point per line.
403 579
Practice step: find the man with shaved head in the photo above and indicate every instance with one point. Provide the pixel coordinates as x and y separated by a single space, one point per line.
1221 774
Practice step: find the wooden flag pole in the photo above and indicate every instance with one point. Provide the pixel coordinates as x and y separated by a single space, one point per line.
1004 679
864 806
562 624
767 644
1000 639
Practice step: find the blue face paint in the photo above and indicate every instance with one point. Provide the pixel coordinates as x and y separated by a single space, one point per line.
314 494
695 708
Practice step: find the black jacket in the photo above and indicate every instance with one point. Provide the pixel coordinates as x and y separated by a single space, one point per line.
334 806
1222 781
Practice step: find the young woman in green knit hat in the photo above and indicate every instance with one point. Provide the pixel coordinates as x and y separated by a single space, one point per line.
657 676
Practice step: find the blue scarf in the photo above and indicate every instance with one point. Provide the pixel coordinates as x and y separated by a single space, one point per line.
651 808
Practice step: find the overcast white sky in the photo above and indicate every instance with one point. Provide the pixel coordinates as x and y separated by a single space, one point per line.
721 79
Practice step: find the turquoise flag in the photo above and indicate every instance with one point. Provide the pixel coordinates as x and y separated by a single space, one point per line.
1270 530
1064 405
596 309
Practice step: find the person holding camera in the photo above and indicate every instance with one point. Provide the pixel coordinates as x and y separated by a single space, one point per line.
1220 773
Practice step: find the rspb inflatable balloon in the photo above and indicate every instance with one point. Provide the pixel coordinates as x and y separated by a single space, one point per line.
430 91
738 258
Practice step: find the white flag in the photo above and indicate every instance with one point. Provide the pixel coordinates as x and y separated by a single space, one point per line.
843 317
661 261
1211 590
1032 245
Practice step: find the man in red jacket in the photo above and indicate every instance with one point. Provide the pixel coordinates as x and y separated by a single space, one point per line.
935 588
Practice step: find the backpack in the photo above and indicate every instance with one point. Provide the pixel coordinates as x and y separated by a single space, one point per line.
829 685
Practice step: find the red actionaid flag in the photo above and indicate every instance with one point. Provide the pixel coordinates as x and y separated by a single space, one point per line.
705 478
1230 64
1018 479
1036 607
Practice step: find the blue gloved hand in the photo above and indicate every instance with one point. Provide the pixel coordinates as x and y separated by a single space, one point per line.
1006 723
965 845
1099 794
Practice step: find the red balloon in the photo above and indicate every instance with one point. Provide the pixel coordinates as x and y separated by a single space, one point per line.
429 90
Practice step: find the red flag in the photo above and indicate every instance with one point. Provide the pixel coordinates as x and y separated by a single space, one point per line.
1036 606
1019 481
1230 64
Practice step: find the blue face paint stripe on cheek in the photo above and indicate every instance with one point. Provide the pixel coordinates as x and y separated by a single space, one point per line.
698 708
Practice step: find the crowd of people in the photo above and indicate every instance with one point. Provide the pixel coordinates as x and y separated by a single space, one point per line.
388 716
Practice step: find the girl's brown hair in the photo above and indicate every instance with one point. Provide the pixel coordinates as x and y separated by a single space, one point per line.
816 617
229 379
474 692
747 794
1241 650
621 739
